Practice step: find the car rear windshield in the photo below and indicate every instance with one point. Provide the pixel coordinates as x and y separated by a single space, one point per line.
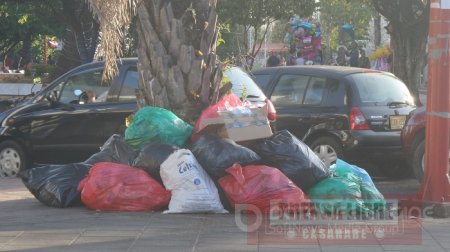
262 80
243 85
381 89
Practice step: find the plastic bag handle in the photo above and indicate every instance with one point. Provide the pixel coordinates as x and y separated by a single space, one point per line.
236 172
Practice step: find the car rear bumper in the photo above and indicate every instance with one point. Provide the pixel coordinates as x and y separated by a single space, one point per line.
376 146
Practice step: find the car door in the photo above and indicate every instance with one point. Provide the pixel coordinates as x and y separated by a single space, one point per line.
299 99
71 129
121 102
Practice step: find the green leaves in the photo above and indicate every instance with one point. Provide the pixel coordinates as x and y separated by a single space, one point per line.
23 19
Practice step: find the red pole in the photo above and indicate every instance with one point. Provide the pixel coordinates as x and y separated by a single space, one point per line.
436 185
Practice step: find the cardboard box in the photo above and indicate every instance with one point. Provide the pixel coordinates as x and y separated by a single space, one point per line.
239 127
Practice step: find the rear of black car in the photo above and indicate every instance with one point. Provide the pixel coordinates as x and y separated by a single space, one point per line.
378 107
360 115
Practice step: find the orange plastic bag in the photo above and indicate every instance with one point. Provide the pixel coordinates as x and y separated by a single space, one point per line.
260 186
118 187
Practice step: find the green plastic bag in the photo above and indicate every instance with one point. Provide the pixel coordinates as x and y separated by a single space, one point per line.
153 124
338 195
372 198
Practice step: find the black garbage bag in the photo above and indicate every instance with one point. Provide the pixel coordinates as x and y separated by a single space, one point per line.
56 185
114 150
293 157
152 156
216 154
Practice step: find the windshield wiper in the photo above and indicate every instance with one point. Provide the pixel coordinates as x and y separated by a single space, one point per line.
252 96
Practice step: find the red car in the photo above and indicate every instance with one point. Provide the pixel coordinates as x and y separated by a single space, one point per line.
413 141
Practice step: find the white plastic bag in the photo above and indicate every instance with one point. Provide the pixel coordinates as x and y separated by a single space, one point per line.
192 189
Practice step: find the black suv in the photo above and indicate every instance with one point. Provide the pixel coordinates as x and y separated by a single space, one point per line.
74 115
351 113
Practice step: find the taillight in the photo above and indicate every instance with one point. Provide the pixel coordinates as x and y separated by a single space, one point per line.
357 120
271 111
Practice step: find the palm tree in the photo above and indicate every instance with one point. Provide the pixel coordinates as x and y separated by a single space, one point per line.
176 50
80 37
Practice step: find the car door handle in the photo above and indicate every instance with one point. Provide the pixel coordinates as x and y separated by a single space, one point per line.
304 118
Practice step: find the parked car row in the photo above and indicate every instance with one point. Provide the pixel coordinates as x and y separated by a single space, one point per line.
340 112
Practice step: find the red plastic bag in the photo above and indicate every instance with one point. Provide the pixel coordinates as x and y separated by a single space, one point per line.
118 187
259 185
230 100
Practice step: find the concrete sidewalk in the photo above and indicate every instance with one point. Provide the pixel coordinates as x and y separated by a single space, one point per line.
27 225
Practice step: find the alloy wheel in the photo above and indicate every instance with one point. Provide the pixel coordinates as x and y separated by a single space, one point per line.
326 153
10 162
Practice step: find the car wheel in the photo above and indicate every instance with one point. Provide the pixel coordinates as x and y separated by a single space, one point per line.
327 149
12 158
418 164
418 160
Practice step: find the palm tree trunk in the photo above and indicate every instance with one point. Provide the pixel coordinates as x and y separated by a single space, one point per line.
177 59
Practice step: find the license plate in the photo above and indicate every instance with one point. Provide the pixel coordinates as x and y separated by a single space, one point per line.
397 122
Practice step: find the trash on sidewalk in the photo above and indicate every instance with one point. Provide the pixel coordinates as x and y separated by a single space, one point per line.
212 111
114 150
338 195
239 123
216 154
192 189
293 157
372 198
260 186
154 124
118 187
129 174
152 156
55 185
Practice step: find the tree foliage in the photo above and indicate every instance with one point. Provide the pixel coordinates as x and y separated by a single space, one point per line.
408 24
258 16
23 21
333 13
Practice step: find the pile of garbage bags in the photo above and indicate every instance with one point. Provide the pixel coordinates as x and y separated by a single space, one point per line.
155 167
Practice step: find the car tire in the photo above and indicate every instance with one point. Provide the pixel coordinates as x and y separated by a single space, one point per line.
327 149
418 160
12 158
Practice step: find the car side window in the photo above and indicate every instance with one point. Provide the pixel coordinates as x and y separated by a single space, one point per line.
129 86
290 90
315 91
90 83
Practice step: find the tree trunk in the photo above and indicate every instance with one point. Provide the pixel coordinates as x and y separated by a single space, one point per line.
409 56
80 38
25 52
377 30
409 29
177 59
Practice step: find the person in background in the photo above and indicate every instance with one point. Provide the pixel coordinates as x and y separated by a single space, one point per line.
340 59
273 60
300 60
364 61
283 61
353 54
